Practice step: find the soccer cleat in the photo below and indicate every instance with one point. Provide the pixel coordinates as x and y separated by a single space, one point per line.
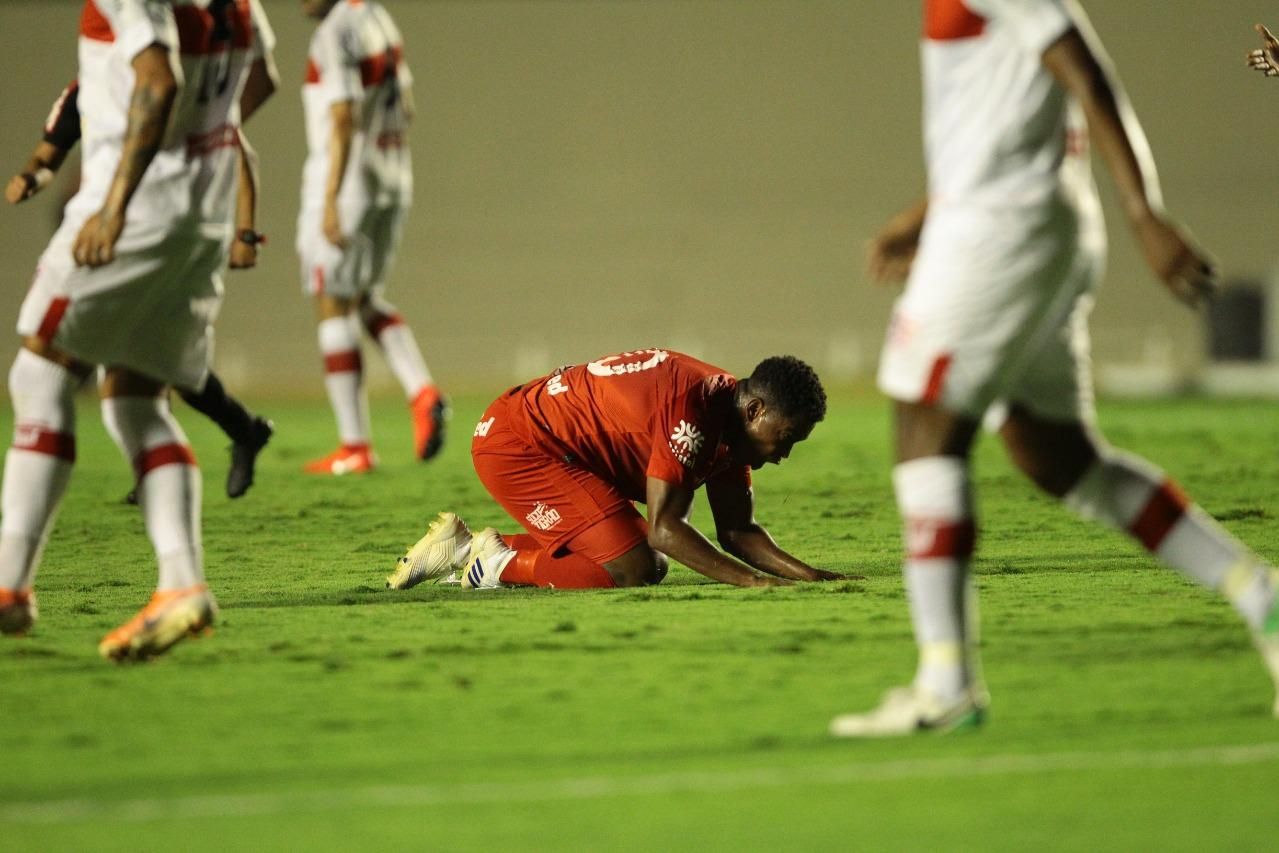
244 456
169 616
429 411
445 548
489 556
907 710
18 611
1266 638
347 459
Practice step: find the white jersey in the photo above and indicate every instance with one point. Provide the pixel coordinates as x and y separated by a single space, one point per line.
998 129
357 54
191 182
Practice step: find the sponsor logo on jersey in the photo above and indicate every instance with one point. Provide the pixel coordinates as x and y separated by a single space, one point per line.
543 517
483 427
628 362
686 441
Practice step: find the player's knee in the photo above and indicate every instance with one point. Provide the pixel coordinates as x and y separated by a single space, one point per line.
641 566
42 390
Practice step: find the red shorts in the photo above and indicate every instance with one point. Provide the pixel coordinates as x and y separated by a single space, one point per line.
564 507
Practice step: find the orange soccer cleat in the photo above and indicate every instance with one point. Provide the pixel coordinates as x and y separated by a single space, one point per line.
18 611
429 410
169 616
347 459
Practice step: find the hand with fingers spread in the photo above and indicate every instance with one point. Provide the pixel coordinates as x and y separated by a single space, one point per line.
1183 267
1265 58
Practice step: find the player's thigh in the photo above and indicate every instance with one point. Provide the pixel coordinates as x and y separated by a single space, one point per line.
385 226
619 543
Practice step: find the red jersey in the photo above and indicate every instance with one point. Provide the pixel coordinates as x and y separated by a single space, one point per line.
631 416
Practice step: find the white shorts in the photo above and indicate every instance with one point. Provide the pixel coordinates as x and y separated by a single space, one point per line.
996 309
151 309
362 265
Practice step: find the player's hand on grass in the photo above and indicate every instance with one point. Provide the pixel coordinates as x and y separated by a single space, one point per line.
333 226
1183 267
95 244
22 186
1265 58
823 575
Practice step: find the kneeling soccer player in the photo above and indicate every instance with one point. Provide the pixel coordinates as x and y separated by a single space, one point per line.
569 453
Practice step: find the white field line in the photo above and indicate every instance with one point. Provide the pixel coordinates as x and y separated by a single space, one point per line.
54 812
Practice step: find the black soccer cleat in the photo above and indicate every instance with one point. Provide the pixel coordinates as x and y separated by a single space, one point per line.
244 456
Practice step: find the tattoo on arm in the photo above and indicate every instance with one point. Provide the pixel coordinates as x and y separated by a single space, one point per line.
149 111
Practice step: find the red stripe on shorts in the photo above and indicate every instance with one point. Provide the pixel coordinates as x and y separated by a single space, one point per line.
379 323
317 280
928 538
52 318
162 454
343 362
312 71
936 379
38 440
1164 509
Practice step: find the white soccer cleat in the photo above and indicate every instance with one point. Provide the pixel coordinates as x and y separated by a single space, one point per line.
907 710
489 556
1266 639
445 548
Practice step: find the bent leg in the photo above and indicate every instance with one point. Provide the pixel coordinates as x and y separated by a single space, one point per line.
612 553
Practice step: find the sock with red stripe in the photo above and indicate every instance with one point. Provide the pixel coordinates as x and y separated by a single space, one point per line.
935 502
168 484
38 466
1127 493
344 378
534 566
385 325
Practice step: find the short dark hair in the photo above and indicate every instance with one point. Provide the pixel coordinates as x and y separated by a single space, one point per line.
791 385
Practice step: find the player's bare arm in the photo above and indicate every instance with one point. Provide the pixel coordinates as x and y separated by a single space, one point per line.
739 534
1082 69
890 253
244 248
261 83
670 533
37 174
1265 58
343 124
154 91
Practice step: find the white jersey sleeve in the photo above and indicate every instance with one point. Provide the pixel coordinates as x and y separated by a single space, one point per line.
138 24
336 52
1034 24
263 35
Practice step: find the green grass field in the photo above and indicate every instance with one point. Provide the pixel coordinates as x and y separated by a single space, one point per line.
1129 712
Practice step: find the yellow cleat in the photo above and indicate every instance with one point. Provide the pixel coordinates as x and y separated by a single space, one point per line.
169 616
444 549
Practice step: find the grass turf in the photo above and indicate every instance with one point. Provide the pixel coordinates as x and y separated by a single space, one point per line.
327 713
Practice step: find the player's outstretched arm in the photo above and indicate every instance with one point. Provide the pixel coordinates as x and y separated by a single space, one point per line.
733 506
1080 65
1265 58
154 91
890 253
670 533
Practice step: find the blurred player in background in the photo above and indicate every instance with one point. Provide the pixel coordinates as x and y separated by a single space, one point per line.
248 433
1265 58
357 185
131 282
567 454
1001 261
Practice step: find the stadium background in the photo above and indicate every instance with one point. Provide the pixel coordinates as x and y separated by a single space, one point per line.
702 174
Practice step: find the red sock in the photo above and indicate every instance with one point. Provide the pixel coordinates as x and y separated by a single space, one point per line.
533 566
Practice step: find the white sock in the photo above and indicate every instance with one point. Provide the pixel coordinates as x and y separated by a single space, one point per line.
935 502
385 325
1127 493
168 484
38 466
344 378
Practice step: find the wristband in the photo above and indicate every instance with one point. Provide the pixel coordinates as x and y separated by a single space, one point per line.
249 237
